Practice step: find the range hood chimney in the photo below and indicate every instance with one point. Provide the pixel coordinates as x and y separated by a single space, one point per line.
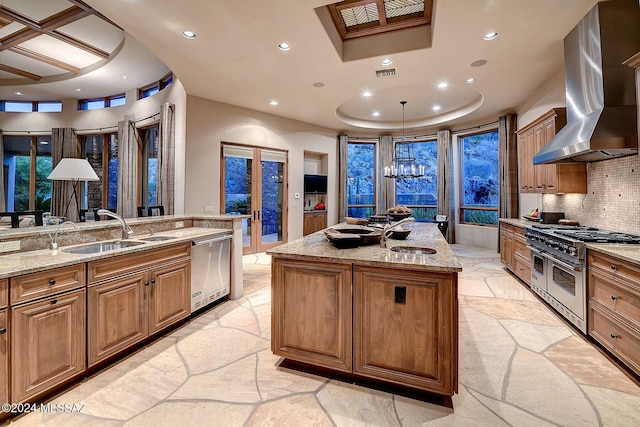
601 99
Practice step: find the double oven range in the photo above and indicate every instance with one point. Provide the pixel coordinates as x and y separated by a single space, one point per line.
558 265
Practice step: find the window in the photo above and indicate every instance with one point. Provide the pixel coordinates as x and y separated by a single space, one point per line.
49 107
116 101
27 160
420 194
149 138
101 151
155 87
98 103
31 106
18 107
480 178
361 179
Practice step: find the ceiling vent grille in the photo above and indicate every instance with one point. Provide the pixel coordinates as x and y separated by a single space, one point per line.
386 72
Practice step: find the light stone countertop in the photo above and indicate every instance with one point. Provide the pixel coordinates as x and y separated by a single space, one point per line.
623 251
29 262
518 222
316 247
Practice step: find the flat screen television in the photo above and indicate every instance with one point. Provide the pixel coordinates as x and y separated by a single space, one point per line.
315 184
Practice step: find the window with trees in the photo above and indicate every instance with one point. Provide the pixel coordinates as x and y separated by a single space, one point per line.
27 163
101 151
479 178
149 172
361 179
420 194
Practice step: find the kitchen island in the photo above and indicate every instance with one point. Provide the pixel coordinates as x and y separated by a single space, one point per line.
372 314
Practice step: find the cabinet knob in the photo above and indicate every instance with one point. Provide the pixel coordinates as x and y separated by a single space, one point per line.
146 283
52 282
614 336
3 331
153 282
613 297
53 301
614 267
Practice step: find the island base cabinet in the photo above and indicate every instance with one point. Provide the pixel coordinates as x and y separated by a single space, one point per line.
170 299
405 327
4 361
312 312
47 344
118 315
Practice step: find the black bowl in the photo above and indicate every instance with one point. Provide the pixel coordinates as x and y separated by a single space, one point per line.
400 234
399 216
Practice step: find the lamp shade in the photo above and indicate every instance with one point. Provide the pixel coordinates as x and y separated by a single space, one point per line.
69 169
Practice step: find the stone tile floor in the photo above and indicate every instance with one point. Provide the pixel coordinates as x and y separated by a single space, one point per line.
520 365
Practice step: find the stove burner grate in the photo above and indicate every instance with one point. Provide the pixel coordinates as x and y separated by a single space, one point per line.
599 236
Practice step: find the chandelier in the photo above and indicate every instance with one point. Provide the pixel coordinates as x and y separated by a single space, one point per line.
403 164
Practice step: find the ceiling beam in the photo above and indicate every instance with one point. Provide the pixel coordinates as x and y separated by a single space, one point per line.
46 59
19 72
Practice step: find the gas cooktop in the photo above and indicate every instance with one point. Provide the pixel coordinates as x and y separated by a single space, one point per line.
587 234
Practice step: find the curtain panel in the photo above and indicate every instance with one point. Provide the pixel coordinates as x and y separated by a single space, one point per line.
127 169
64 144
165 181
3 206
343 144
445 181
508 164
387 186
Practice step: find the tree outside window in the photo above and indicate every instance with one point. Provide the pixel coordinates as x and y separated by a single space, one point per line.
361 195
420 194
480 178
27 159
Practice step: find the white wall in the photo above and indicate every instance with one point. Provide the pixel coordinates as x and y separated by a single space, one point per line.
106 120
209 123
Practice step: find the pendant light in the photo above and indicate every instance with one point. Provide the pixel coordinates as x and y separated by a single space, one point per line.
403 164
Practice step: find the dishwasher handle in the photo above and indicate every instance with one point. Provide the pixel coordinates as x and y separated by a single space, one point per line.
211 240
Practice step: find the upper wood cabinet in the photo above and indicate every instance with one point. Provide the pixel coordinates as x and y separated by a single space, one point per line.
551 178
634 62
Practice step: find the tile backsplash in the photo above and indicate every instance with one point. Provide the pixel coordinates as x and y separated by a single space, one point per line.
612 201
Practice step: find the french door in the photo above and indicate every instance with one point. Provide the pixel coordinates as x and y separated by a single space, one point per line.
254 183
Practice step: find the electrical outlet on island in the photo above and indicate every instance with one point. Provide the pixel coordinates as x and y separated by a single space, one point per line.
179 224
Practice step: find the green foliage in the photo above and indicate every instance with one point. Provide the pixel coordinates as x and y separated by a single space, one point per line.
480 217
237 206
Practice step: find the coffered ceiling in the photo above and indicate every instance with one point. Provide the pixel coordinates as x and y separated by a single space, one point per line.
320 80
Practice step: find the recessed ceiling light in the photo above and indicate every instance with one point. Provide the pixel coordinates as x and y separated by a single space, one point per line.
189 35
442 85
376 113
470 80
386 61
367 94
490 36
274 103
124 77
78 89
284 46
17 93
318 84
479 63
437 108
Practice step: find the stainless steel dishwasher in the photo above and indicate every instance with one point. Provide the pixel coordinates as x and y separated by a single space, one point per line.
210 270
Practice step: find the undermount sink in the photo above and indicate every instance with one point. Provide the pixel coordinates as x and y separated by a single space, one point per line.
157 238
98 247
413 250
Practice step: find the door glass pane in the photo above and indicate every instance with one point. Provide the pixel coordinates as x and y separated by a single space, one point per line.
150 171
237 186
361 180
43 169
564 280
420 194
92 195
112 190
16 166
272 195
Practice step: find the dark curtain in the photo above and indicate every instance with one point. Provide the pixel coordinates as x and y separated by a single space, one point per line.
127 169
508 163
343 141
64 143
387 186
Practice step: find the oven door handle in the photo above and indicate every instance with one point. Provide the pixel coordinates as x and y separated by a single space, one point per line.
535 250
557 261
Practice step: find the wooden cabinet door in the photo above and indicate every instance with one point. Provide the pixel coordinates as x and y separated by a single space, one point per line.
170 294
551 179
540 171
405 327
312 312
4 360
47 344
525 163
118 315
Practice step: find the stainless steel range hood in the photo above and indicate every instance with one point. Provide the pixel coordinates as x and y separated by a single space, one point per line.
601 99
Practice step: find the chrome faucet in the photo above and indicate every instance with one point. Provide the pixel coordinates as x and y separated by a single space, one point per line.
54 240
126 230
386 231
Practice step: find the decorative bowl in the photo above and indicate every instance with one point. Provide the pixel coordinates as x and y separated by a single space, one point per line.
399 216
399 234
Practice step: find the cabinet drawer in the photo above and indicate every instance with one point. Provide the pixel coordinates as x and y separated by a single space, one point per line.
124 264
620 340
520 247
4 292
622 270
46 283
622 300
522 268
